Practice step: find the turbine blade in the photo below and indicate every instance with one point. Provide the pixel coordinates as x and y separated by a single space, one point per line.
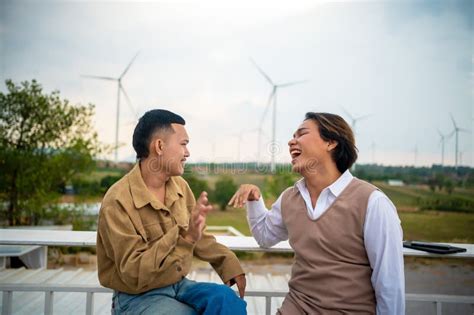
262 72
292 83
454 122
362 117
129 65
129 102
98 77
347 113
464 130
269 102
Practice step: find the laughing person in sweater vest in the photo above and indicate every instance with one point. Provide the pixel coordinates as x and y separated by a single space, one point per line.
150 228
345 233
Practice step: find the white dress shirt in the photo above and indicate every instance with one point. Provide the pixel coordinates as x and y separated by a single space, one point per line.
383 237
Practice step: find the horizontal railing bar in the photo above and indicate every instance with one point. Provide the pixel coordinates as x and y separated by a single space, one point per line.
440 298
235 243
254 293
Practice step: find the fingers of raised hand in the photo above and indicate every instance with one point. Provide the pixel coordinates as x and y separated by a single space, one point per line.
203 198
239 198
204 209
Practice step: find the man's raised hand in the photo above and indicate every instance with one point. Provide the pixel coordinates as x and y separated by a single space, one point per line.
197 221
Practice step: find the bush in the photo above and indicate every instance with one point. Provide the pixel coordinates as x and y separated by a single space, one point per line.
86 188
224 190
446 203
108 181
276 184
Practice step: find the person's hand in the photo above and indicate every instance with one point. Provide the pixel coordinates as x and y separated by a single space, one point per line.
246 192
198 219
241 284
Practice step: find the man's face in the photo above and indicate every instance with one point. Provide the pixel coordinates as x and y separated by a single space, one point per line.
307 149
175 151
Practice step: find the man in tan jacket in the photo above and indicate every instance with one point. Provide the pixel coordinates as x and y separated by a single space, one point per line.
150 227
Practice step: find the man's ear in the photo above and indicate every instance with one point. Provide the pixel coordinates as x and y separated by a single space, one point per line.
332 144
158 146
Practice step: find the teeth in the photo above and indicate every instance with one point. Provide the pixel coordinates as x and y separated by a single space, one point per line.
295 153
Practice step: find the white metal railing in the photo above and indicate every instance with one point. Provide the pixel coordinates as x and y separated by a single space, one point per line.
235 243
90 290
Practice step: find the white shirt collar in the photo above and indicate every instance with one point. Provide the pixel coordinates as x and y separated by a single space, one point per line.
335 188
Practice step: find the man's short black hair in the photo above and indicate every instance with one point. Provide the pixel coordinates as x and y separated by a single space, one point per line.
151 122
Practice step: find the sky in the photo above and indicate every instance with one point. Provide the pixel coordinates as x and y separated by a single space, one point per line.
408 65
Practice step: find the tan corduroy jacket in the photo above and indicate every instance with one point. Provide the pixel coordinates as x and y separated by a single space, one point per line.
139 246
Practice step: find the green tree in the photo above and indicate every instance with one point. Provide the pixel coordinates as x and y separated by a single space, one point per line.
440 180
44 142
224 190
449 186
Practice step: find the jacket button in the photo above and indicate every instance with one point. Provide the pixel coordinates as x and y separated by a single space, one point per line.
179 268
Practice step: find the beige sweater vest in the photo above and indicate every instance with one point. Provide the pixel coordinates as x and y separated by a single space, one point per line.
331 271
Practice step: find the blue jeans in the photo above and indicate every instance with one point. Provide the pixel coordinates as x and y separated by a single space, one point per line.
185 297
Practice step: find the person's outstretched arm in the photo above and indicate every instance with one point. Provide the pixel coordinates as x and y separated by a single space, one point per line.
267 226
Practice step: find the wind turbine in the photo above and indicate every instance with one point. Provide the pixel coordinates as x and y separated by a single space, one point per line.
456 133
272 97
353 119
442 140
119 89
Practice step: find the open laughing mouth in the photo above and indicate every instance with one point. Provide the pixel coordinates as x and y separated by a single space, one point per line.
295 153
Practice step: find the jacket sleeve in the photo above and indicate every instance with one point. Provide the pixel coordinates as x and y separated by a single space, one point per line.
139 265
221 258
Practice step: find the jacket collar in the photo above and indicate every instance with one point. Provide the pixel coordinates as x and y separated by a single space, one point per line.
142 196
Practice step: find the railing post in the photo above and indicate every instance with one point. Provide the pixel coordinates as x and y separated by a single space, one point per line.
48 302
7 303
438 308
268 305
90 303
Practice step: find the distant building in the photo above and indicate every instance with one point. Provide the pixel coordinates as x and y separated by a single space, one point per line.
395 182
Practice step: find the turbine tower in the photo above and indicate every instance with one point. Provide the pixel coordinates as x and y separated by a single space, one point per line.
442 141
119 89
354 121
456 133
272 97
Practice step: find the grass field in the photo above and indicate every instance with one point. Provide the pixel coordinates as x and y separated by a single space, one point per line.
438 226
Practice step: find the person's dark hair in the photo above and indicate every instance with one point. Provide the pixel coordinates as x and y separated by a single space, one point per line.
334 127
153 121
